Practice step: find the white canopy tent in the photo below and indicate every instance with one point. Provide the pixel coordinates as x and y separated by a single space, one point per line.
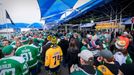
20 11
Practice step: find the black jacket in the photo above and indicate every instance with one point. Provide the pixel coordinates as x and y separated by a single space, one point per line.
1 54
72 56
64 46
89 69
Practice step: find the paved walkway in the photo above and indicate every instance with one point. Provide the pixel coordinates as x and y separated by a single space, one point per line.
63 71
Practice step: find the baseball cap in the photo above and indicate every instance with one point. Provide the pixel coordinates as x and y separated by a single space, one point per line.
35 40
125 33
106 54
89 36
120 44
85 55
44 37
7 49
83 48
62 37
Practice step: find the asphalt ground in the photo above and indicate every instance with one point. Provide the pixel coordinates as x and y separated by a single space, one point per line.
62 71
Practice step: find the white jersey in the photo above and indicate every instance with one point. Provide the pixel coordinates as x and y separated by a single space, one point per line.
120 58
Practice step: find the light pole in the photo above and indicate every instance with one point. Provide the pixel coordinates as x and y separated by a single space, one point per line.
132 20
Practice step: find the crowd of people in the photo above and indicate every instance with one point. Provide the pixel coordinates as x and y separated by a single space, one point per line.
82 53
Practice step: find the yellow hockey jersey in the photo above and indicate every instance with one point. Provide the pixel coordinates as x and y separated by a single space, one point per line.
53 57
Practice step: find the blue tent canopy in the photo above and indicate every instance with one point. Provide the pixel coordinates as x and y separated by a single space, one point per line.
36 25
21 25
58 11
54 12
17 25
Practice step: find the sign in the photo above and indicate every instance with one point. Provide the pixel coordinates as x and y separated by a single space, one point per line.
106 25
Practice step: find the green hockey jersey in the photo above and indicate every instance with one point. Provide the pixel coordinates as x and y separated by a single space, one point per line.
13 66
29 53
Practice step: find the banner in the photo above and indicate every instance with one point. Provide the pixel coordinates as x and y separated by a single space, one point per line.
106 25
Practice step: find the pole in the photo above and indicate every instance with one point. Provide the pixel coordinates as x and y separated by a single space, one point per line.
132 20
66 27
120 19
132 26
80 26
5 22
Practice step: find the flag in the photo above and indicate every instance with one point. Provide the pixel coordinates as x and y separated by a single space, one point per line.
8 16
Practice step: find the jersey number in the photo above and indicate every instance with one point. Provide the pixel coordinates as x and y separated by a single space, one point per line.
56 58
27 56
8 71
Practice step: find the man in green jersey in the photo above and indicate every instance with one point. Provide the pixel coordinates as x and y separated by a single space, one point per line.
30 54
12 65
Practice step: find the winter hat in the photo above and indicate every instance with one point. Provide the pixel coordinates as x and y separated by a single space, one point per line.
54 40
49 37
25 40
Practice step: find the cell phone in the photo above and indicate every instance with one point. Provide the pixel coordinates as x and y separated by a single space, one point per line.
75 67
